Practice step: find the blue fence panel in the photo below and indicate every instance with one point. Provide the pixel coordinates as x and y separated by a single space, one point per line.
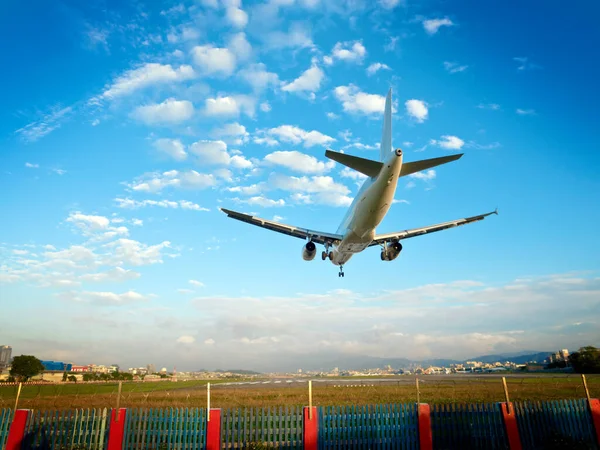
554 424
165 428
477 426
6 415
391 427
273 427
86 428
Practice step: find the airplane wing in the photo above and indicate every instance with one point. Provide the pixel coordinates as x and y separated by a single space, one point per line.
318 237
381 238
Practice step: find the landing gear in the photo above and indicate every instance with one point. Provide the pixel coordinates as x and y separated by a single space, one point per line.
327 254
341 274
324 256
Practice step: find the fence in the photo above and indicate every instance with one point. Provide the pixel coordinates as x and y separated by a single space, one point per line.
573 424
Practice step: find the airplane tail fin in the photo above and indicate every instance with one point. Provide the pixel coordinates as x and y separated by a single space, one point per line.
417 166
386 135
367 167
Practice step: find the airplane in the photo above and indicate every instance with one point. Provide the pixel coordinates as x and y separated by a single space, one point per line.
372 202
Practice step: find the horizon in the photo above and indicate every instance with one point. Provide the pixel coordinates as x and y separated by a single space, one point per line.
125 129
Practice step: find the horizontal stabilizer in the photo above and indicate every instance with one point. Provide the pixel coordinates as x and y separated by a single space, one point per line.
417 166
367 167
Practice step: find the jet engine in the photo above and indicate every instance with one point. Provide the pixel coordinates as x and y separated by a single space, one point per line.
391 251
309 251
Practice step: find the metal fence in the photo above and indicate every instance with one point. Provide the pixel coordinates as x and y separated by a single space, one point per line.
5 421
551 424
272 427
165 428
68 429
373 427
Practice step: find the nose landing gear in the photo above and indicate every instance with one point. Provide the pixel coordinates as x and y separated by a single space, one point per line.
341 274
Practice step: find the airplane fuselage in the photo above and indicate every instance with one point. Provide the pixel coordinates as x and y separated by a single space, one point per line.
367 210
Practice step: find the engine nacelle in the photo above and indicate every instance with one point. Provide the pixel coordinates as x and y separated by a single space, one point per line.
391 252
309 251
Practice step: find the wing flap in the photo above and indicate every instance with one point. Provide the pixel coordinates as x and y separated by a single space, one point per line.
380 238
303 233
417 166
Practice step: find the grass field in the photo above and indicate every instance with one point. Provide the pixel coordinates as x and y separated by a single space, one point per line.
396 390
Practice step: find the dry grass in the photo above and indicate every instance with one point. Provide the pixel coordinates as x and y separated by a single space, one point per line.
401 390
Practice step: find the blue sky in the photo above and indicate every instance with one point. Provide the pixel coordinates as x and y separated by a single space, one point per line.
126 126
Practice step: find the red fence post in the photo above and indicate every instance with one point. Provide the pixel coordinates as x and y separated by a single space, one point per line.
310 429
16 432
595 411
116 432
425 436
213 430
510 424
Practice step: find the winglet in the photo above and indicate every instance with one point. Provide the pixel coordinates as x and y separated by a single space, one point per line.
496 211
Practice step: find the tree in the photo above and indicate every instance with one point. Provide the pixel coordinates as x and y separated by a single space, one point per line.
586 360
25 366
73 378
64 376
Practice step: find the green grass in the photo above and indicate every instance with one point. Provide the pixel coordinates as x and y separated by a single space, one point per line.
193 393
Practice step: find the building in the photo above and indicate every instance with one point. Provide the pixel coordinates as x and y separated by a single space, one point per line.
57 366
5 356
151 368
80 368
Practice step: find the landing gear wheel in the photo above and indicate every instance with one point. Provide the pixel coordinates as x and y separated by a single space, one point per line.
331 256
324 256
341 274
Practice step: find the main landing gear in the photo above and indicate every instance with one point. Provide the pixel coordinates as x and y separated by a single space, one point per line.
326 254
341 274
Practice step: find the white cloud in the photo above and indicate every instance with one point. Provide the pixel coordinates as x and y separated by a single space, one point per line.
426 176
147 75
300 162
310 81
232 133
211 152
249 190
230 106
361 146
432 26
262 201
186 339
355 101
110 298
389 4
351 51
58 171
20 252
316 189
32 166
135 204
525 64
116 275
265 107
135 253
525 112
373 68
237 16
453 67
391 46
156 182
89 222
239 45
209 341
347 172
168 112
48 123
492 106
295 135
171 147
297 36
417 109
332 116
448 142
196 283
212 60
257 76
